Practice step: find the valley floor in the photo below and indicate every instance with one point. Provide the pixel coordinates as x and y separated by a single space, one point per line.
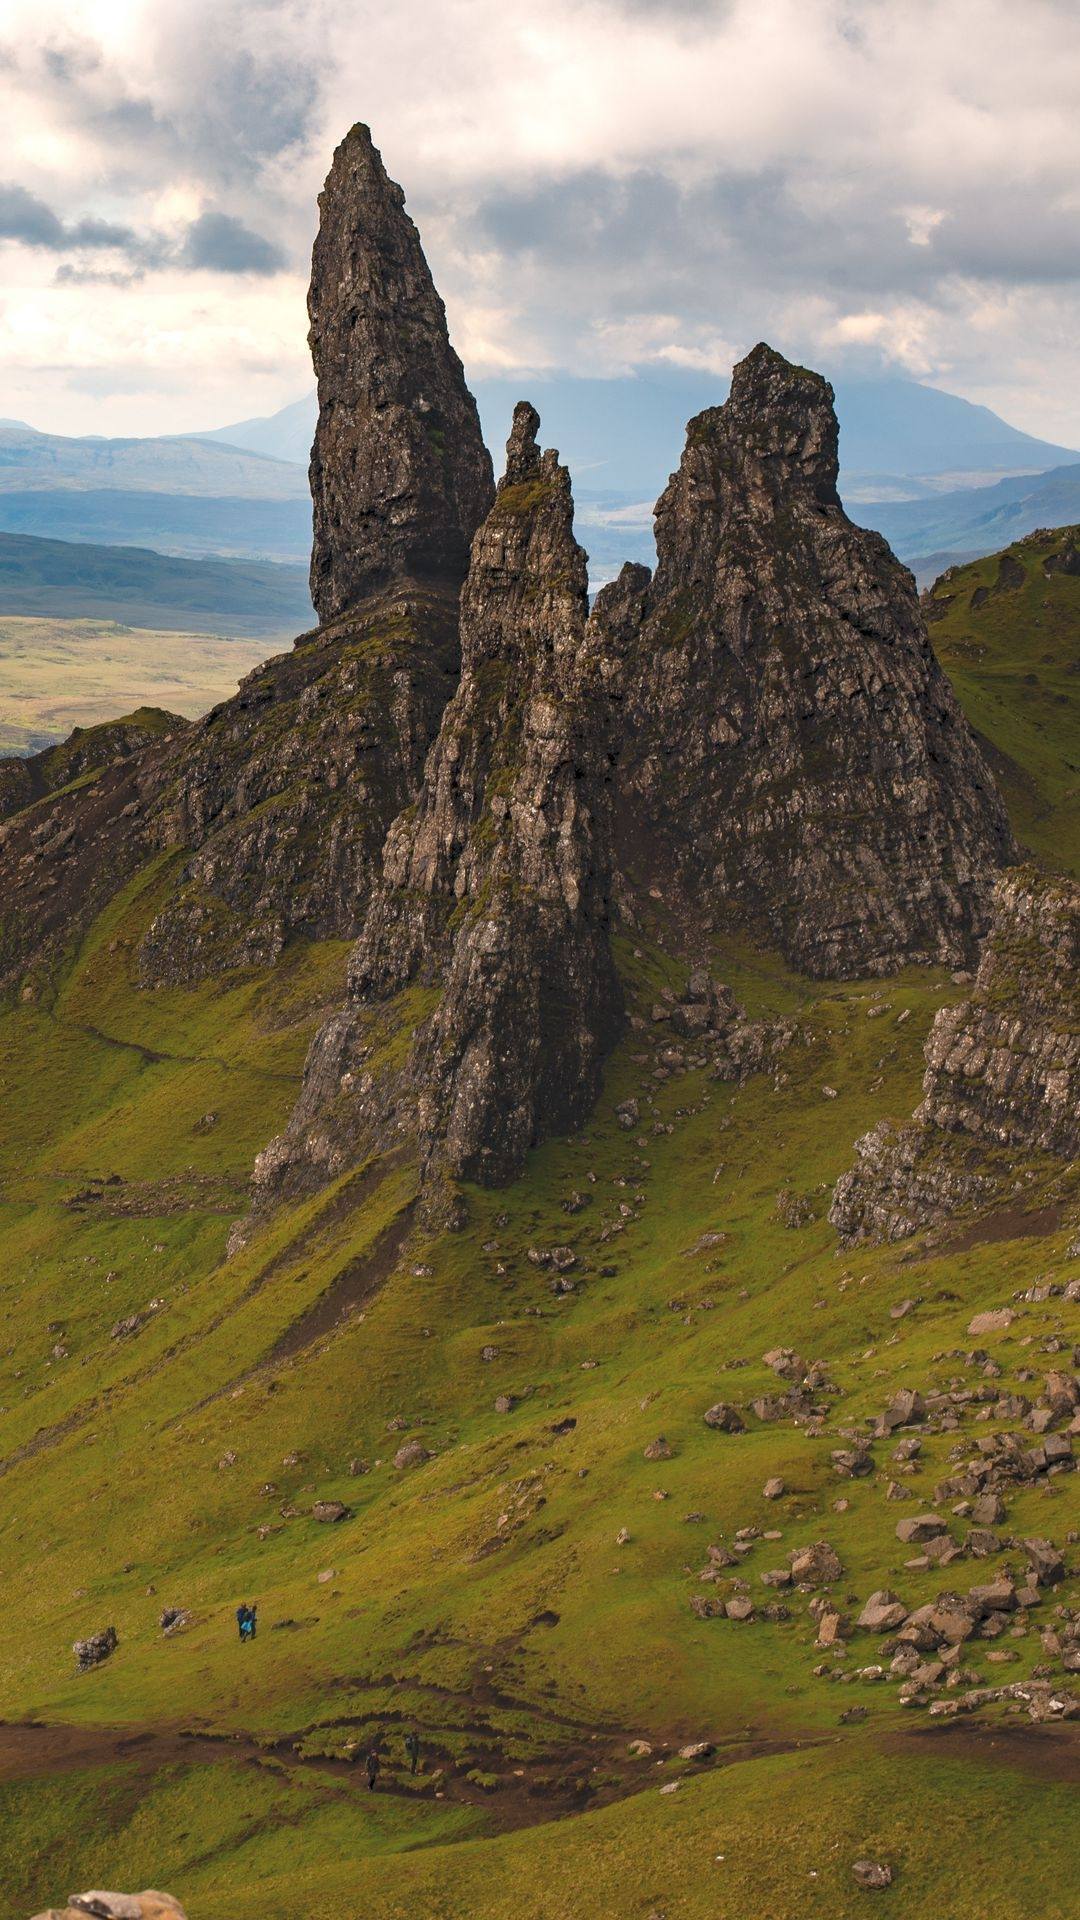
518 1588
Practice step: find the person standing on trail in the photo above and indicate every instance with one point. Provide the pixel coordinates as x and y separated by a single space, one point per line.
242 1619
373 1765
412 1748
252 1620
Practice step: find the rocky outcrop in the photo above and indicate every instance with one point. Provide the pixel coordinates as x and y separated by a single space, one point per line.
286 791
495 890
65 856
117 1906
400 475
793 756
86 750
1002 1076
280 799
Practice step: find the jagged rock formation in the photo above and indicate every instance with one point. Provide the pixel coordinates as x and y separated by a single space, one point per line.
400 475
793 755
286 791
64 856
282 796
1002 1076
24 780
495 886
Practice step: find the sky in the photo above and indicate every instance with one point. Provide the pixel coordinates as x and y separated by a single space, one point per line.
871 185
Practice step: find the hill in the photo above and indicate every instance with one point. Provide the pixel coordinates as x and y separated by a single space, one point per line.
978 519
54 462
1007 631
142 588
464 1188
623 434
189 525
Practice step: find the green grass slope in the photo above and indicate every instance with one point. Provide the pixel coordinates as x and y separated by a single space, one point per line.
66 579
1007 631
173 1418
522 1595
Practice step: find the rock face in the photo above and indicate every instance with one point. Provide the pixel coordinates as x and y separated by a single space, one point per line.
286 791
86 750
793 756
400 476
495 890
1002 1073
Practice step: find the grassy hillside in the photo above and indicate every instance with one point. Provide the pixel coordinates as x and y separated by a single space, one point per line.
519 1588
187 524
170 465
522 1596
59 674
69 580
1007 631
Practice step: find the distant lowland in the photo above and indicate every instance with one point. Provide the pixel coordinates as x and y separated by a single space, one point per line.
209 532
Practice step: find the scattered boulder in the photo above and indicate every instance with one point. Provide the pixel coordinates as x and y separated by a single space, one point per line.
815 1566
332 1511
92 1651
920 1528
117 1906
412 1454
996 1320
883 1612
872 1875
1045 1561
725 1418
773 1489
659 1449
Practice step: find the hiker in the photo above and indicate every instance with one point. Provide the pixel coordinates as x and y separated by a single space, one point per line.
412 1748
242 1619
373 1765
252 1620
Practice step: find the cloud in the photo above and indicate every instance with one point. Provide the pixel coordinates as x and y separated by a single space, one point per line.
26 218
885 184
223 244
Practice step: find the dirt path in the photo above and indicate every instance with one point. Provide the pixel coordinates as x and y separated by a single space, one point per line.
578 1769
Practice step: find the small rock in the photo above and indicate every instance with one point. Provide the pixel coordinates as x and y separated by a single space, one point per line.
872 1875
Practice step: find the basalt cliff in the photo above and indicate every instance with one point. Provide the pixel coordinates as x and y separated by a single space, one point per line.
480 781
1000 1115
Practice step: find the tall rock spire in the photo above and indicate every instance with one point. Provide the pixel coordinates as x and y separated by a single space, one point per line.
400 476
794 756
495 888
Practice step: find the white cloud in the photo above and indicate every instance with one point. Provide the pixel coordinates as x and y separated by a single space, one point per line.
596 181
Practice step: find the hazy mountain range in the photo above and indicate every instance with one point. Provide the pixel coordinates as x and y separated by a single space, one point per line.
943 479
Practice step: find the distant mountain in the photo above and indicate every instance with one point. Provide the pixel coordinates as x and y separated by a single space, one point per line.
130 584
50 462
188 524
626 434
977 520
286 435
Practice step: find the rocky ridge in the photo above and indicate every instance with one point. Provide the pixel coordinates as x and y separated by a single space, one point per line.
760 736
400 475
495 887
793 756
1002 1077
